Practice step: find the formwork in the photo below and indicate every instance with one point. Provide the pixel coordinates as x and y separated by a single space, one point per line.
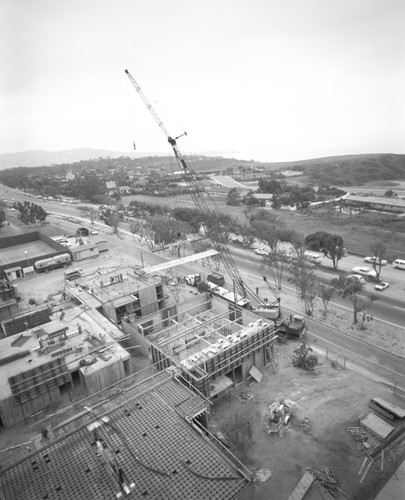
151 443
214 344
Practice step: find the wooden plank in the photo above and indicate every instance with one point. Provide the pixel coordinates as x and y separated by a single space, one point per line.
363 477
256 374
376 425
363 465
391 407
302 487
384 413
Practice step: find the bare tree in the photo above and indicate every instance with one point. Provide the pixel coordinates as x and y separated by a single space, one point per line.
325 293
275 263
305 283
378 250
89 212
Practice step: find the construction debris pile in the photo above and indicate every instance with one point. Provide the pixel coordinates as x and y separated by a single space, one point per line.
279 413
327 482
306 425
365 439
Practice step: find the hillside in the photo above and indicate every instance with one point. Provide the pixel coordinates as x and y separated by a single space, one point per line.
335 170
47 158
354 170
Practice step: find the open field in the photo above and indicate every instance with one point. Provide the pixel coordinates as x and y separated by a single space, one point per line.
358 231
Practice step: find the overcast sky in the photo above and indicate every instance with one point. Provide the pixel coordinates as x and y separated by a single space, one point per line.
269 80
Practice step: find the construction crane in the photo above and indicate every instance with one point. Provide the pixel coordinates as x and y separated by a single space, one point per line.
202 205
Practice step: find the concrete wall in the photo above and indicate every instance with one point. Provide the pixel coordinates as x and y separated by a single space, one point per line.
13 413
148 300
135 338
103 374
8 309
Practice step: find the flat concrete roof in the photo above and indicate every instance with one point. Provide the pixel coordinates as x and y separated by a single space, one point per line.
74 348
17 253
148 437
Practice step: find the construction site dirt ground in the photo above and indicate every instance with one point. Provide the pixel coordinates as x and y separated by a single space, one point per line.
325 402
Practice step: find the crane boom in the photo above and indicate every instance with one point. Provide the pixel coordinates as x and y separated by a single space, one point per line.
198 197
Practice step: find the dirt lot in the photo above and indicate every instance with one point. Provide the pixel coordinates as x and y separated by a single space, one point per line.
330 399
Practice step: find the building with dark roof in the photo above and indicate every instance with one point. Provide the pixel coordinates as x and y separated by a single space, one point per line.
150 446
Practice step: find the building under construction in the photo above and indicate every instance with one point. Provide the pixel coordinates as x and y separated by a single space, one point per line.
151 445
76 351
118 292
214 345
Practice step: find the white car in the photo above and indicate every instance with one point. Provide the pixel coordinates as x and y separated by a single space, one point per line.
356 277
93 231
365 271
372 260
261 251
382 286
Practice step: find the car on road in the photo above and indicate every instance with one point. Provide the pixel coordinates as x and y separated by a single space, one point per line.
364 271
356 277
372 260
382 286
237 241
93 231
261 251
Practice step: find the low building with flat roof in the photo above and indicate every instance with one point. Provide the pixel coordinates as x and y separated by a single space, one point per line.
380 203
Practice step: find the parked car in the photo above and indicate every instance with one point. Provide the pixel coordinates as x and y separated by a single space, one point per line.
365 271
356 277
93 231
82 231
261 251
372 260
382 286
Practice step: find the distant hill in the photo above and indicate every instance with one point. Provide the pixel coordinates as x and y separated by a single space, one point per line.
346 170
354 170
47 158
38 158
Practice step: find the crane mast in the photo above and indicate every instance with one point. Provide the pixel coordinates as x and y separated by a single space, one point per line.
197 196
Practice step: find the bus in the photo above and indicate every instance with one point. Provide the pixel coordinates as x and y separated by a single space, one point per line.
52 263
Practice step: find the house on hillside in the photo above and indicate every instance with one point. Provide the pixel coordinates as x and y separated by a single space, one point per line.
111 188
